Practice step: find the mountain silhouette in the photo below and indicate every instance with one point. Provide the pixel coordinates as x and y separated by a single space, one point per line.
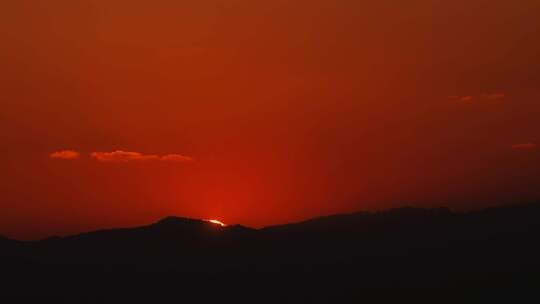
405 248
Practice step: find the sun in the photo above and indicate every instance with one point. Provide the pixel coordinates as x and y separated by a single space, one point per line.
217 223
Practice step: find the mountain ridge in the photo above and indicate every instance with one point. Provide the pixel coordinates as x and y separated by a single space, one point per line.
405 212
341 254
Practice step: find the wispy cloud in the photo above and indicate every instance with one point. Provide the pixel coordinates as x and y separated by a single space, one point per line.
121 156
125 156
497 96
466 98
176 158
493 96
65 154
524 146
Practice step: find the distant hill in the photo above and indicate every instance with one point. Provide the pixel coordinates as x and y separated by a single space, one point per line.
400 248
6 243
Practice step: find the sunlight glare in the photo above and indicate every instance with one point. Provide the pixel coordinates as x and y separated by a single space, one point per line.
217 223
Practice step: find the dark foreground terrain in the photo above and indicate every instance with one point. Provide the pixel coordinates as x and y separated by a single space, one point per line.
394 254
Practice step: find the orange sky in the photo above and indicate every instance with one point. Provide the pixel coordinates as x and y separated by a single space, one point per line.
262 112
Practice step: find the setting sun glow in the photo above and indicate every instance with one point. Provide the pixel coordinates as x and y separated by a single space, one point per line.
217 223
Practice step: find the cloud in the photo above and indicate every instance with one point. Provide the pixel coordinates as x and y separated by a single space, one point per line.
494 96
123 156
479 98
176 158
65 154
525 146
467 98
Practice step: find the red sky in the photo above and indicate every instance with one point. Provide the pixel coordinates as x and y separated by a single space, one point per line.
262 112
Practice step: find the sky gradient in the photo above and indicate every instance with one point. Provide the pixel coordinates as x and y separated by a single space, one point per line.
116 113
